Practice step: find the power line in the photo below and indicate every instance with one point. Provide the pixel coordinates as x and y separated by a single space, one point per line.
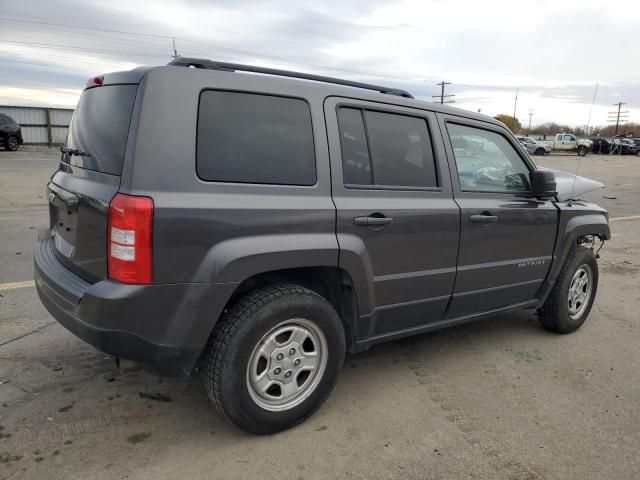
620 117
87 28
82 49
442 96
4 60
209 45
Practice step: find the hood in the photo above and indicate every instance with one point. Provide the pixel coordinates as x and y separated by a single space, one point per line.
565 184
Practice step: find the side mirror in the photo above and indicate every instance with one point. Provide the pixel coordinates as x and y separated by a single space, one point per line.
543 184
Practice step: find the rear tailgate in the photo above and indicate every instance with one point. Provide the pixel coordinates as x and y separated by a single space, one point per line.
89 177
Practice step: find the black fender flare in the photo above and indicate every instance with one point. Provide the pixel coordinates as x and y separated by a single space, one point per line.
570 229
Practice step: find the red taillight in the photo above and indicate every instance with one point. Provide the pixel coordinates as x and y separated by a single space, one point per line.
130 239
95 81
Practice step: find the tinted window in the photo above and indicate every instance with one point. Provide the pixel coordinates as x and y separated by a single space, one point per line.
252 138
4 120
356 167
100 127
399 145
401 150
486 161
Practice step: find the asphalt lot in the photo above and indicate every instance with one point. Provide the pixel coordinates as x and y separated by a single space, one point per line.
496 399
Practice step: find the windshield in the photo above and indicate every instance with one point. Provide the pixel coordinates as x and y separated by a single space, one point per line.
100 126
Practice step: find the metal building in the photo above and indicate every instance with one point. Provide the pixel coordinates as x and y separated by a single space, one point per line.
41 125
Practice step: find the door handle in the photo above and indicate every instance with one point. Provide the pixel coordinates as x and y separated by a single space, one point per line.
483 218
372 221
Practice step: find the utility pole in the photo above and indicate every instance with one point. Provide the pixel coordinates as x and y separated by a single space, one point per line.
530 115
620 116
515 103
175 52
442 96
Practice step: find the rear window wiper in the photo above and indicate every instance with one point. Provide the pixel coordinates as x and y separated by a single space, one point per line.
74 151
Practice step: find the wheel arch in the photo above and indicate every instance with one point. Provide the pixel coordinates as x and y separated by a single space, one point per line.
330 282
572 228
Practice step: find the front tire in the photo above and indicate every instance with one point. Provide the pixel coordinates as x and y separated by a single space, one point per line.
572 297
582 151
539 151
274 358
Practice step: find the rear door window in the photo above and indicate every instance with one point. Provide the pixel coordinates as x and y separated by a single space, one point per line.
385 149
356 164
100 127
401 150
254 138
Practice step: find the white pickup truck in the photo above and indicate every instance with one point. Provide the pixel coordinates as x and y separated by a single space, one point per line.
569 142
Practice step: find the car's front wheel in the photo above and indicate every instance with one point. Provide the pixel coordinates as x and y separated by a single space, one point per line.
582 150
571 299
274 358
12 143
539 151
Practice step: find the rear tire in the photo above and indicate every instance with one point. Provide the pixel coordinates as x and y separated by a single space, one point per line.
571 299
11 143
273 358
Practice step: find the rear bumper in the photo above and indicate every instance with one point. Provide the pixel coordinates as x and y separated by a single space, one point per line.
162 327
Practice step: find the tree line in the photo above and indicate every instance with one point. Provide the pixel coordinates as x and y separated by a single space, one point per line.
550 128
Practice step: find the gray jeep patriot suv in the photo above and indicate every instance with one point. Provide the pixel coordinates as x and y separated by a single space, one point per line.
255 227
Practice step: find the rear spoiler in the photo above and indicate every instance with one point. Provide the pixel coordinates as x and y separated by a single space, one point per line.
117 78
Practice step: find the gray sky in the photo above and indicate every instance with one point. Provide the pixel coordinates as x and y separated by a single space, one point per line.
553 51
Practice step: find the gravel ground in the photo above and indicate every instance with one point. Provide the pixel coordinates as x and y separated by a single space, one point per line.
497 399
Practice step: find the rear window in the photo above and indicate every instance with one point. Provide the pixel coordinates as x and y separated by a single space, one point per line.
100 126
252 138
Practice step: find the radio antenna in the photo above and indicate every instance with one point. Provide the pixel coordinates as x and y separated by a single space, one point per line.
573 187
575 177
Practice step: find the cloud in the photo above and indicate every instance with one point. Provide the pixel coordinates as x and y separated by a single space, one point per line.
554 52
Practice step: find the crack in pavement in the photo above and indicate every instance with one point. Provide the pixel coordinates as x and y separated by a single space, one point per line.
20 337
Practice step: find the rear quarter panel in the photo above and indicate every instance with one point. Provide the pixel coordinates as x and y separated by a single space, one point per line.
213 231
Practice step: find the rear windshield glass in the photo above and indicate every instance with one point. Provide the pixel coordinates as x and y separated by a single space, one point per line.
100 126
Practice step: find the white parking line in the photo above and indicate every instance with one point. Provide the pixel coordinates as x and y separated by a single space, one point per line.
15 285
619 219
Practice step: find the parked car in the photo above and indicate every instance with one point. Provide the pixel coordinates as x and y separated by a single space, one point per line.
628 146
534 147
600 145
290 220
10 133
569 142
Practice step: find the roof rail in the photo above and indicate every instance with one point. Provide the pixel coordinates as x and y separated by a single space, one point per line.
232 67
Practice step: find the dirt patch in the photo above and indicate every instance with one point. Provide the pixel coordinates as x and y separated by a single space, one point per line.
138 437
620 268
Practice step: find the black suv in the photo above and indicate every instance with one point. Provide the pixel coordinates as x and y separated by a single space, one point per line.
10 133
256 227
